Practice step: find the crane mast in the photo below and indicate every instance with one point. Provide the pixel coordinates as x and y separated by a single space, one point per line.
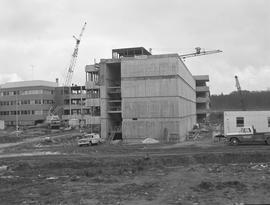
237 84
199 52
74 58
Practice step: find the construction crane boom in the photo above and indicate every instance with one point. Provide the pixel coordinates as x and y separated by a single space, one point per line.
199 53
237 84
74 58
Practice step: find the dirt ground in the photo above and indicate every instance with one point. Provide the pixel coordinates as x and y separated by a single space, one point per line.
188 173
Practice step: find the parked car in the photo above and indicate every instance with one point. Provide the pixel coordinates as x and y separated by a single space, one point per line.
247 134
90 139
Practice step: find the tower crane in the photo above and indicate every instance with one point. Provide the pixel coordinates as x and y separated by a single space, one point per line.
237 84
74 58
199 52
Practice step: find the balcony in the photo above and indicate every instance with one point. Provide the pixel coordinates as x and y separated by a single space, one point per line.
114 109
204 78
91 84
91 68
114 106
114 91
202 89
202 111
202 100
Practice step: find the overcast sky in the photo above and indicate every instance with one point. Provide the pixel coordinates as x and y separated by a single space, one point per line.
36 37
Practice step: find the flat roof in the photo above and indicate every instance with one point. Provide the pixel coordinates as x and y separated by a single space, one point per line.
201 77
32 83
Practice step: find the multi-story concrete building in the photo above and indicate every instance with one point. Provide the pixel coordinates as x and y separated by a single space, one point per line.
140 95
37 99
202 97
27 102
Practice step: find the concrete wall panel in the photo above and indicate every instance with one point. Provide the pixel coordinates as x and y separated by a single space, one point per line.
151 66
162 130
151 108
158 98
104 128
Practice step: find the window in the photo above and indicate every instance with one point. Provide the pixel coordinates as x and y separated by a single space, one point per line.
38 112
239 122
93 111
268 121
4 113
93 93
31 92
37 101
245 130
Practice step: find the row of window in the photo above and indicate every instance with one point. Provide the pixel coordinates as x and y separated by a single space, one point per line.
93 93
26 102
93 111
27 92
240 121
23 112
22 122
77 92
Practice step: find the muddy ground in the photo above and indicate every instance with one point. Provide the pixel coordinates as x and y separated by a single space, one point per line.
188 173
197 179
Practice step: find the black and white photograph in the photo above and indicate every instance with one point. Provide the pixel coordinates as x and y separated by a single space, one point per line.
123 102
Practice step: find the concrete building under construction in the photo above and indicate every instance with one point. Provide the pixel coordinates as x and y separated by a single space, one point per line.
202 98
140 95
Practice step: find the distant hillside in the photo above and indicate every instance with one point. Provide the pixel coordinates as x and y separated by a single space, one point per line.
255 100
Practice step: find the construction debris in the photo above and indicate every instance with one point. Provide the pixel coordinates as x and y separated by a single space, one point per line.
260 167
3 168
150 141
193 135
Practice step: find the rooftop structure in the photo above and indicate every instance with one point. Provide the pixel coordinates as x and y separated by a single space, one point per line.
129 52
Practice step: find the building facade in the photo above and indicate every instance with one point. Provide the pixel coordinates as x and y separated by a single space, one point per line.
202 98
26 103
72 101
140 95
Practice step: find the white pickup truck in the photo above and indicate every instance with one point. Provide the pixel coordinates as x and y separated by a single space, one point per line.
90 139
247 134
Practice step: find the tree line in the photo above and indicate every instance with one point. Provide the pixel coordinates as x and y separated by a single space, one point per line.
253 100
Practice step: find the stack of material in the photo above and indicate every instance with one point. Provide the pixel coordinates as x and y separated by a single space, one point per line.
150 141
